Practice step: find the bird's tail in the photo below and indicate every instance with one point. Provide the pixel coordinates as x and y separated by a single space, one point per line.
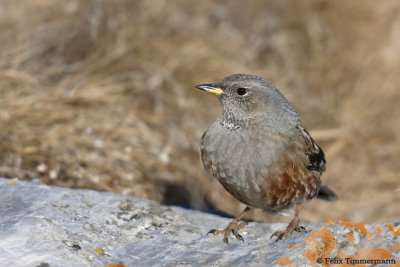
325 193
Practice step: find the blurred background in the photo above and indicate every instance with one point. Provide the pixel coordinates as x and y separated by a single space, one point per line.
100 94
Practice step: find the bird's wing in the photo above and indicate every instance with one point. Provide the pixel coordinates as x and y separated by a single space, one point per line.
314 153
317 163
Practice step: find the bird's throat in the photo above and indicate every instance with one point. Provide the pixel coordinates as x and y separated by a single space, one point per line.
230 121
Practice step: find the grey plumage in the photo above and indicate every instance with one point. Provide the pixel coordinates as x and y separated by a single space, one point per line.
258 149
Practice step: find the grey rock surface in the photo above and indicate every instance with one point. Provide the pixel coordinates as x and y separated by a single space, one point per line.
43 225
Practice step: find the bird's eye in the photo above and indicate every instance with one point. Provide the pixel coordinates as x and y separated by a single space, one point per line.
241 91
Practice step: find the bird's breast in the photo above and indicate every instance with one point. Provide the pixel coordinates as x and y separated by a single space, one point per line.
240 160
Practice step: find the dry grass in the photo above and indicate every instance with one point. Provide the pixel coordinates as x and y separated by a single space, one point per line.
99 94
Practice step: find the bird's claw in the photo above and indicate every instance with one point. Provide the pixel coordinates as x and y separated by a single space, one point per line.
238 236
232 227
212 231
300 229
282 235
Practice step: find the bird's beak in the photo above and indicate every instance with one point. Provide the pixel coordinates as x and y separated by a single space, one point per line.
211 88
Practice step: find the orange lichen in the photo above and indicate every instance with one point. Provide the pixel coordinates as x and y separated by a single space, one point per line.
390 226
13 182
319 243
311 256
285 261
373 253
379 231
292 247
396 231
329 223
350 237
312 243
369 235
364 254
327 237
346 224
395 247
360 227
116 265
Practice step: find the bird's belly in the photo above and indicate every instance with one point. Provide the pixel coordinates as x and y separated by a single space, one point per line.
239 163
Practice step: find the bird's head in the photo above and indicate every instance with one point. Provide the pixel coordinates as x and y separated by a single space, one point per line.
249 97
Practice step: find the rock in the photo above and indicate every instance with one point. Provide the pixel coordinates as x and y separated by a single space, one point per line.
43 225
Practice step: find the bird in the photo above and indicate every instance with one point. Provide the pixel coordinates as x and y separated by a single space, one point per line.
260 152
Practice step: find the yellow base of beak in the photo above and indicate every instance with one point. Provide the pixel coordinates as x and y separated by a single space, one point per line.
210 88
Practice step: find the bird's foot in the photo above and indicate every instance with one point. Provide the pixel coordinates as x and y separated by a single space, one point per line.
282 235
293 226
233 227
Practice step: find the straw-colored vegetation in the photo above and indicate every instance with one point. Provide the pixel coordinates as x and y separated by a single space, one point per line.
100 94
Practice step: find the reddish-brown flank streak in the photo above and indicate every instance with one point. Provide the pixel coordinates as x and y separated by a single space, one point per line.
292 186
293 183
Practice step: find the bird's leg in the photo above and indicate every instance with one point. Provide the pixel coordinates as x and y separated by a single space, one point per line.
233 227
293 226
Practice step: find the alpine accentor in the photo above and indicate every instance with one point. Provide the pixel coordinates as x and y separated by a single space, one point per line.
259 151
